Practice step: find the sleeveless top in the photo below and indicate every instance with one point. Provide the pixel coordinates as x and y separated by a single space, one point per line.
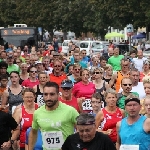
14 100
26 122
118 80
134 134
110 121
103 88
39 97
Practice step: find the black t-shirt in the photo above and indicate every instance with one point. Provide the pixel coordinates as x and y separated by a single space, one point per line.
100 142
7 123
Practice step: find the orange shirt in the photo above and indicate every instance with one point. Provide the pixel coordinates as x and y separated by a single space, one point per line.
57 79
118 81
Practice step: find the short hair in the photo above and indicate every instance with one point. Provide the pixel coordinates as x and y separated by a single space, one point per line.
28 90
76 51
76 65
108 66
110 90
85 118
97 96
133 51
3 76
134 70
3 64
146 79
82 70
126 78
42 73
131 96
103 58
52 84
32 66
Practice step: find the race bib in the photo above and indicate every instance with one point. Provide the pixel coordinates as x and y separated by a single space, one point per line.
52 140
86 105
129 147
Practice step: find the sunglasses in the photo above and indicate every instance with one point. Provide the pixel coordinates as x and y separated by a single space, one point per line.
66 88
127 84
97 72
57 66
77 69
84 53
33 71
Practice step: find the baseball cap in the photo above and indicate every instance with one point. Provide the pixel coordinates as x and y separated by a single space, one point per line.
66 83
38 62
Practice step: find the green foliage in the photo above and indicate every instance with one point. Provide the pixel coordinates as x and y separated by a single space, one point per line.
79 16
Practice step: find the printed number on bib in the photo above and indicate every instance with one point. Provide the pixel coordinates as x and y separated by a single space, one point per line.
52 140
86 105
129 147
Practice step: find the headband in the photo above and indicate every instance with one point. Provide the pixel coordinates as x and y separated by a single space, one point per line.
132 99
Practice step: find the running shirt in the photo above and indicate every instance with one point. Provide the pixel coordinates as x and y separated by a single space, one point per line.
14 100
26 122
39 97
28 83
110 121
73 102
55 125
134 134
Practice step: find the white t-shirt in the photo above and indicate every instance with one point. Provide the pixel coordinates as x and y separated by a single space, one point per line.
139 89
138 63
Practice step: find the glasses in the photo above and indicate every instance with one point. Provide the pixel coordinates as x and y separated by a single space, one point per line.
57 66
127 84
33 71
77 69
97 72
66 88
97 102
84 53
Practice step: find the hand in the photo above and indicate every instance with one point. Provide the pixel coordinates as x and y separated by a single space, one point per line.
82 99
109 131
6 145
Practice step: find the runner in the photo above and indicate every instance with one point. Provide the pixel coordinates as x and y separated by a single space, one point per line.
147 106
108 117
84 90
134 130
42 77
67 97
55 120
87 138
23 114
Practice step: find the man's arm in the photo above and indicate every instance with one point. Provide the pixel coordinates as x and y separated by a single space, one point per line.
113 79
118 143
32 138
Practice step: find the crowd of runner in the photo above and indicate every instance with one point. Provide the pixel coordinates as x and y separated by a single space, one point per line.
53 101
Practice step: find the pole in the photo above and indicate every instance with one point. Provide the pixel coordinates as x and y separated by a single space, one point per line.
130 43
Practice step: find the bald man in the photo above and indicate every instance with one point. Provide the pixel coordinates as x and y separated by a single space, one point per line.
138 62
109 54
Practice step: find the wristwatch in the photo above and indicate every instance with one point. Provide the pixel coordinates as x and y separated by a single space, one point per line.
12 142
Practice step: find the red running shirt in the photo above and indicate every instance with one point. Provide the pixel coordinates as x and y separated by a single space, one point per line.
110 121
73 102
26 122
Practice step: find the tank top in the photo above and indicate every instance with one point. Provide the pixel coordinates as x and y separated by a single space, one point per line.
14 100
101 89
39 97
134 134
118 80
110 121
26 122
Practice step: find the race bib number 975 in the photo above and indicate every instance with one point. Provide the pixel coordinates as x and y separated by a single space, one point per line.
52 140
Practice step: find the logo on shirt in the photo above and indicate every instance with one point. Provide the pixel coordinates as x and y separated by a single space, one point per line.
78 145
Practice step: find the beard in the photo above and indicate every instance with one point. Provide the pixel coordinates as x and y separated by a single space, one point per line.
50 103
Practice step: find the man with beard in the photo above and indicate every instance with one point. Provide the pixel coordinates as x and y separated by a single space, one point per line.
56 120
126 84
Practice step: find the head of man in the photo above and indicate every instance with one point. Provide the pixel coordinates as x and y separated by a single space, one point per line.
46 61
86 127
42 76
57 66
103 62
83 53
125 64
18 51
139 54
133 53
126 84
66 86
39 66
76 56
51 94
110 52
15 55
3 67
132 106
134 75
3 55
116 51
10 59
